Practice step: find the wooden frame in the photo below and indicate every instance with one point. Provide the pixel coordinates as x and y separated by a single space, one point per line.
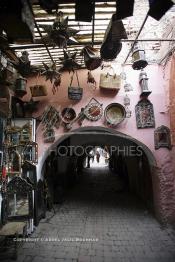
144 114
162 137
19 186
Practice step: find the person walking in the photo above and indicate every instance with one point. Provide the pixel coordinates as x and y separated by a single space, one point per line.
98 157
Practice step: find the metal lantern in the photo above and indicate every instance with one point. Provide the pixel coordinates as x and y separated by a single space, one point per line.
143 81
138 57
20 87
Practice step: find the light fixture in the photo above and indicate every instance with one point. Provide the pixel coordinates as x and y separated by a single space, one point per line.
143 81
138 58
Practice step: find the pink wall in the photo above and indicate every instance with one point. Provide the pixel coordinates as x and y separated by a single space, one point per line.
157 84
128 126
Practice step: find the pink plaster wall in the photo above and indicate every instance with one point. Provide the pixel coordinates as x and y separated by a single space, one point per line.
157 84
60 100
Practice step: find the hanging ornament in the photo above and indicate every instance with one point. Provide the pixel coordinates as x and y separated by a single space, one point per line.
51 73
59 34
127 87
128 112
68 61
126 100
143 81
138 57
91 80
23 66
92 59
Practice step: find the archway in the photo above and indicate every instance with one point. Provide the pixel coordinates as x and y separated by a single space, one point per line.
140 168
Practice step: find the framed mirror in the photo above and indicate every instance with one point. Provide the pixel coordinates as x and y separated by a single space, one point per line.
19 199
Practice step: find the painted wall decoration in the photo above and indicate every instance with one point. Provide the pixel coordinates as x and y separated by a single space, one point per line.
144 114
162 137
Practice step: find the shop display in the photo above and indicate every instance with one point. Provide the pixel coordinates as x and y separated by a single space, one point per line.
143 81
112 45
19 27
75 92
91 80
59 33
144 114
114 114
38 90
110 82
50 117
94 110
162 137
138 57
69 62
20 86
92 59
49 135
68 114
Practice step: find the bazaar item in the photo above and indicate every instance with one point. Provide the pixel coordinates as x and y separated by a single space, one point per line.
92 59
114 114
69 61
91 80
75 92
59 33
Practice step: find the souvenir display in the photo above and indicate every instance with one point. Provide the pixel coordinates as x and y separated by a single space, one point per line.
110 82
138 57
69 61
20 87
92 59
22 20
51 73
162 137
38 90
112 45
59 33
50 117
23 66
144 114
49 5
93 110
143 81
114 114
91 80
126 100
75 92
84 10
68 114
49 135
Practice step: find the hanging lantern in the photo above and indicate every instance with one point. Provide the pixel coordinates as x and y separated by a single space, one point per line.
20 87
138 57
143 81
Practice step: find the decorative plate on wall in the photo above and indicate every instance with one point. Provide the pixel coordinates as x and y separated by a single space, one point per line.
93 111
68 114
114 114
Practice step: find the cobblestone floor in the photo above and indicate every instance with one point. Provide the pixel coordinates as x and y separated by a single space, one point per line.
96 209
